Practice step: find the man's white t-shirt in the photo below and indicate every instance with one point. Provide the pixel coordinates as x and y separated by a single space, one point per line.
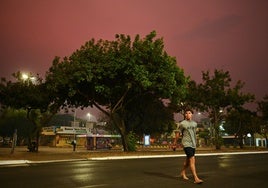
188 131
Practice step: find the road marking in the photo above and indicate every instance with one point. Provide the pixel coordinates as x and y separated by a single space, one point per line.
169 156
99 185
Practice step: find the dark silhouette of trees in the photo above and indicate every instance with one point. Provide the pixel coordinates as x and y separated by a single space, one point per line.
215 95
31 95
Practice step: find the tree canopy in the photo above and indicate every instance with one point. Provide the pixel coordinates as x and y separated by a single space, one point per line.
240 122
30 94
111 74
215 95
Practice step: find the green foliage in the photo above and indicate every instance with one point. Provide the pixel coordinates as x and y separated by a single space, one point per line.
204 134
24 93
216 96
217 93
147 115
105 71
32 95
240 122
12 120
110 74
132 141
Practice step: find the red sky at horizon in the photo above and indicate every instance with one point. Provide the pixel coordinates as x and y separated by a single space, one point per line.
203 35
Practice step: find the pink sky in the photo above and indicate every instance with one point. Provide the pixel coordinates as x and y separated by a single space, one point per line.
203 35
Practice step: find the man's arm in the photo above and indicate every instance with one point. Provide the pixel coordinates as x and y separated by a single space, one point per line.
177 135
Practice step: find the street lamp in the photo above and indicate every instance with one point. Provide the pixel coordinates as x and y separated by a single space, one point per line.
249 136
74 131
25 77
88 115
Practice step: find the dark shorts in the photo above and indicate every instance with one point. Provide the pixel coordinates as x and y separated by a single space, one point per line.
189 151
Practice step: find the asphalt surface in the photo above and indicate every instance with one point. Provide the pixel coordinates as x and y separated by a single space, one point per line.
223 169
53 154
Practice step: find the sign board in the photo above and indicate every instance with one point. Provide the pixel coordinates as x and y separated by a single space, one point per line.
146 140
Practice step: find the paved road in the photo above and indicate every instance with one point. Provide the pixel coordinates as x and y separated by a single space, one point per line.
231 171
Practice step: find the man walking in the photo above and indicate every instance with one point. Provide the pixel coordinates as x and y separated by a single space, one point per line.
187 129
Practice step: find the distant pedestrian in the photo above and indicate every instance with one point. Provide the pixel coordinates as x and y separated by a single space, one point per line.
187 130
74 144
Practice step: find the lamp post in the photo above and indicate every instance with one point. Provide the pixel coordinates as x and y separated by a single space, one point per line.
74 123
249 136
28 82
74 138
89 124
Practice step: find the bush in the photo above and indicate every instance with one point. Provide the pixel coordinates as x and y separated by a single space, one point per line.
131 140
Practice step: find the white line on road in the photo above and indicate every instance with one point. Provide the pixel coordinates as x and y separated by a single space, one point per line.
179 155
90 186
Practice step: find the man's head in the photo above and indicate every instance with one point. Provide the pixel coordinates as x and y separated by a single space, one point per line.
188 114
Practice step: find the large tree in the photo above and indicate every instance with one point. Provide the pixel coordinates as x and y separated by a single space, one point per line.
215 95
111 74
240 122
31 94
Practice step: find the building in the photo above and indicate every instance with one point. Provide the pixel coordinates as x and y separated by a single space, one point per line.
85 137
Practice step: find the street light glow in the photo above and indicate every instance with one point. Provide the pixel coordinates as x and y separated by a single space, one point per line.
25 76
32 78
89 115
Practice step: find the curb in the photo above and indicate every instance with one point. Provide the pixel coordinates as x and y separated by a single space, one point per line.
25 162
13 162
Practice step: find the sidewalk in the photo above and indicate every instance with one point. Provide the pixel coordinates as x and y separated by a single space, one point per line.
53 154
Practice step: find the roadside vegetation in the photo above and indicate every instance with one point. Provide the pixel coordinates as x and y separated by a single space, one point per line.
136 85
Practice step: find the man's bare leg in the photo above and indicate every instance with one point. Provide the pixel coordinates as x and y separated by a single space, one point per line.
185 166
193 169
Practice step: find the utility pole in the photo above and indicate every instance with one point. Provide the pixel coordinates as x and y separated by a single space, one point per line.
14 142
74 139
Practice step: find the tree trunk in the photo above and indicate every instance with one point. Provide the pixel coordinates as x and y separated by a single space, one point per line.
240 141
119 123
123 137
217 140
217 132
124 141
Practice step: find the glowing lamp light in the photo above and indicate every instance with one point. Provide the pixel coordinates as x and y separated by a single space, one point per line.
25 76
